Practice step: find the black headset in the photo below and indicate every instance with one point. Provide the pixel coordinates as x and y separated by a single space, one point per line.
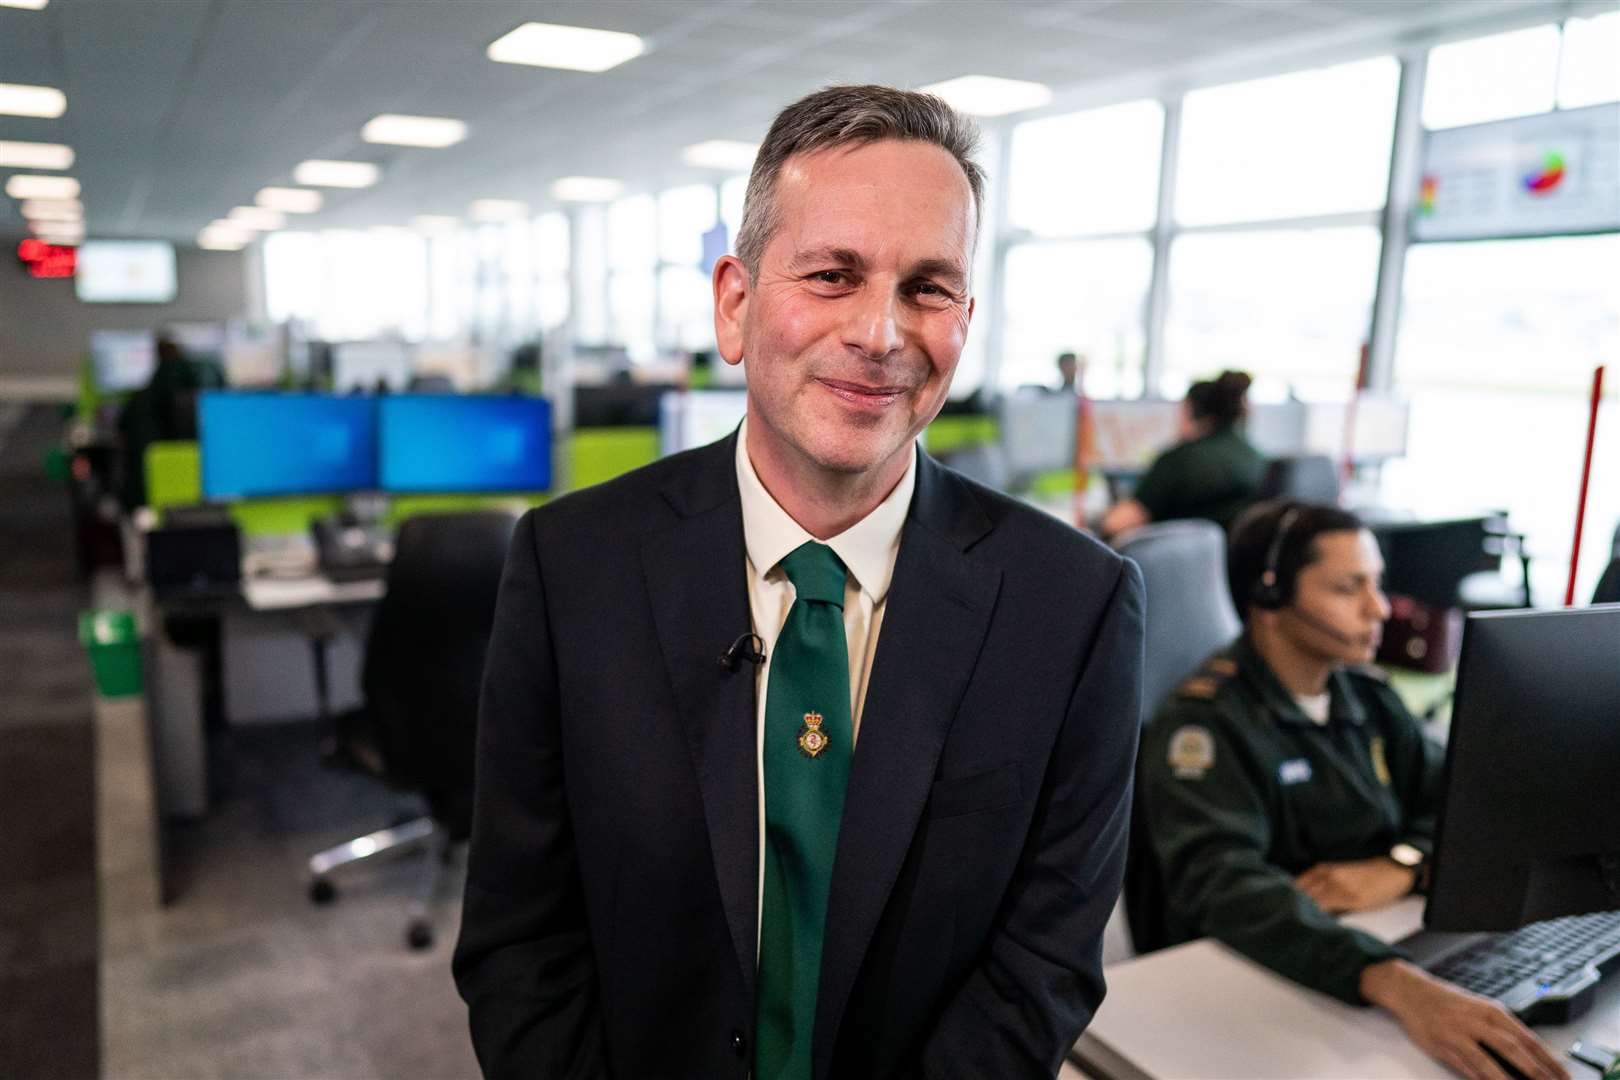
1268 591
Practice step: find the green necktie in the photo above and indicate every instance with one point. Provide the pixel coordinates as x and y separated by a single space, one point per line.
809 737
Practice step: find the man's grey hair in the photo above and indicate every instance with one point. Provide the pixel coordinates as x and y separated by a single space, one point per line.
847 116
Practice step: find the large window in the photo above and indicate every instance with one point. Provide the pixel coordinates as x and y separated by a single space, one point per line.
349 284
1589 67
1084 297
1497 344
685 303
1291 307
1307 144
552 259
1491 78
1089 172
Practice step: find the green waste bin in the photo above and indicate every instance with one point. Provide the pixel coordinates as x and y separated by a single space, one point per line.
115 651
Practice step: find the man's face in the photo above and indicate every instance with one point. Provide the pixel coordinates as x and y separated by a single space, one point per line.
853 326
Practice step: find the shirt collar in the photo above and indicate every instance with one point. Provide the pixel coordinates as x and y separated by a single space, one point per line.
867 548
1345 706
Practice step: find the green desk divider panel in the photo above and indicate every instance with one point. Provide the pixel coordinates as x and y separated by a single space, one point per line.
88 397
404 506
173 475
1056 482
947 434
278 517
598 454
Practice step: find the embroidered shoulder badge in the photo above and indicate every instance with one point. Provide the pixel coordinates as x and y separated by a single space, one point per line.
1192 752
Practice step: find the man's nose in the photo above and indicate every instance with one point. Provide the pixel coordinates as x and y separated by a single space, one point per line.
874 326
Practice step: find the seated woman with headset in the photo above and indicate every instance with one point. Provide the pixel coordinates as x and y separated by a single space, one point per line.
1285 783
1212 472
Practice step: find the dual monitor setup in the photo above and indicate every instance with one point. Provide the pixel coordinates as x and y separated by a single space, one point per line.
262 445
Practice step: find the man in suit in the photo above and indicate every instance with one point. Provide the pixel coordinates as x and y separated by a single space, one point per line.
881 836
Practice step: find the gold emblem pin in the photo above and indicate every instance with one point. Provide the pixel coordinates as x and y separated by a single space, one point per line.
1380 763
812 740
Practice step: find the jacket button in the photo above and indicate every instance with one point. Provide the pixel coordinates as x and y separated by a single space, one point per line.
739 1044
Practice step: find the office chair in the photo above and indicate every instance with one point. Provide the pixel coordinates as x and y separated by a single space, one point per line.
1189 616
1307 478
1455 563
423 665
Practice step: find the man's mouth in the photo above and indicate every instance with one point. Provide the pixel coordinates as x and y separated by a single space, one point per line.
862 394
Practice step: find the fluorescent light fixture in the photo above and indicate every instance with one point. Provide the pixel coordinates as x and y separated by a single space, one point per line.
257 218
45 102
434 132
434 222
497 209
987 95
721 154
58 232
572 48
27 186
289 200
53 210
212 239
26 5
343 174
35 155
586 189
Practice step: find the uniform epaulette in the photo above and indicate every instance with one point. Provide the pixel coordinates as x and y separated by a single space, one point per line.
1206 682
1369 671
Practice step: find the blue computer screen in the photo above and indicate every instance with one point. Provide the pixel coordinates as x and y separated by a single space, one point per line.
286 444
449 443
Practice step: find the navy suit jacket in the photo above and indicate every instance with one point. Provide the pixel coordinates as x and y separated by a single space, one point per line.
612 891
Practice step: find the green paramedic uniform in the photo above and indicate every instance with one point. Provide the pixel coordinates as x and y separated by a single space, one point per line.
1242 792
1214 477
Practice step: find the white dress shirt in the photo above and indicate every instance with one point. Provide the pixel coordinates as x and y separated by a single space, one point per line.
867 550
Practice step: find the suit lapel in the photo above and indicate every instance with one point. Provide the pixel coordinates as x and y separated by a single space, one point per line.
934 623
699 595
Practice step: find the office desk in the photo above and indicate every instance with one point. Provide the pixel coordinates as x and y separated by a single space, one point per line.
315 606
1200 1010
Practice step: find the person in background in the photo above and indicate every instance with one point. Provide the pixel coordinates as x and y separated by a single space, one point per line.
1070 368
1285 783
164 409
1212 472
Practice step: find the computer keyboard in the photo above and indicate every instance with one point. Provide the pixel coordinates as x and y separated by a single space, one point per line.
1546 972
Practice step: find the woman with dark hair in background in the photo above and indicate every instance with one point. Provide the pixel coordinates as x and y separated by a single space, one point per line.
1212 472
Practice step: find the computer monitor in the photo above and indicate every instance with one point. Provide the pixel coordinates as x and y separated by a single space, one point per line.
121 359
1529 824
1037 431
688 419
263 444
436 443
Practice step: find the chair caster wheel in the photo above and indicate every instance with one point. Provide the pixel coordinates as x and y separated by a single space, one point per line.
419 936
322 891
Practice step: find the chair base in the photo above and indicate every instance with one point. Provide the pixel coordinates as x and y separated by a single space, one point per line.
402 839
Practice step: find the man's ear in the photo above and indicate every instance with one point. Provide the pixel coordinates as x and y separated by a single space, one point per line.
730 307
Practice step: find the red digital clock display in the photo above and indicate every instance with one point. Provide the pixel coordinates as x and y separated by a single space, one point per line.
47 260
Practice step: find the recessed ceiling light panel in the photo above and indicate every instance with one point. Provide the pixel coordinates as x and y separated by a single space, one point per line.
571 48
989 95
434 222
721 154
497 209
433 132
35 155
257 218
26 5
53 210
45 102
337 174
289 200
586 189
27 186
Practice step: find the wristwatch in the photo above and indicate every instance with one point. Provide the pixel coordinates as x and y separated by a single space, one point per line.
1412 859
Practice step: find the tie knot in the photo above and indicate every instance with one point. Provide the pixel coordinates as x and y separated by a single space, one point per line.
816 572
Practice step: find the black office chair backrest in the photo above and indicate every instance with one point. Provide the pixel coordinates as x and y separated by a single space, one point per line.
425 657
1189 607
1189 616
1307 478
1608 586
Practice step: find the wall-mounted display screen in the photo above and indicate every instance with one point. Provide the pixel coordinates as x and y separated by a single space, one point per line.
126 272
1553 173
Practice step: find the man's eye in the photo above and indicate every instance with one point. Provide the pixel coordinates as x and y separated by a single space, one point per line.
831 277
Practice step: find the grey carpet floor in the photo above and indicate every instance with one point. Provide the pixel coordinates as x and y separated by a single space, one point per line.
240 975
48 908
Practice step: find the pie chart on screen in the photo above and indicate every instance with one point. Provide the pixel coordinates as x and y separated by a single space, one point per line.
1547 176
